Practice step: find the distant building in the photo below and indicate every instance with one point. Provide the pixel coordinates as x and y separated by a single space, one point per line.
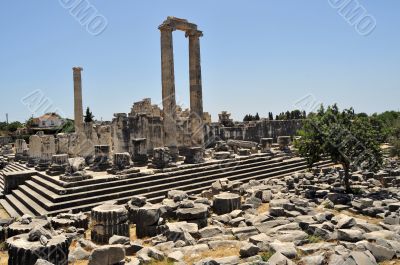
48 120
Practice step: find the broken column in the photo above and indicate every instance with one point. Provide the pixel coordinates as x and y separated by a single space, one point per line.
48 150
197 214
35 150
78 109
162 157
121 161
21 150
284 142
25 225
62 143
109 219
139 152
196 94
101 158
266 144
26 249
65 220
226 203
58 166
195 155
168 88
133 208
148 220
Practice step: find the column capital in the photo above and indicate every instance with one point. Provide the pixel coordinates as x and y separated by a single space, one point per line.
193 33
167 27
77 69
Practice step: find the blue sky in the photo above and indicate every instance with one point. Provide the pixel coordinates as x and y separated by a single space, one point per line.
257 56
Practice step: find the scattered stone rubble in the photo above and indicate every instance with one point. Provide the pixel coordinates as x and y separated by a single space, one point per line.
305 218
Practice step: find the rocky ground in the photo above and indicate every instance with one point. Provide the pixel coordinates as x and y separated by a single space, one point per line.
306 218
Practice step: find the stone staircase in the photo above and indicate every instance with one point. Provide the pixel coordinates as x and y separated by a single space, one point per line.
45 195
10 168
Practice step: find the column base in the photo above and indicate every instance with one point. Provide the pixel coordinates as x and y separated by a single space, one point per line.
195 155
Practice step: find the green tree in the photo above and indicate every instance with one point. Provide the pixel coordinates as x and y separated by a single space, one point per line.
68 126
13 126
3 126
89 115
346 138
310 144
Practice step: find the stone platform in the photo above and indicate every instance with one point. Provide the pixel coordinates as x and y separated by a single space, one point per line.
48 195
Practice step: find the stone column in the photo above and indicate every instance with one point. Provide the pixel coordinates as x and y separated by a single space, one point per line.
78 111
196 94
168 88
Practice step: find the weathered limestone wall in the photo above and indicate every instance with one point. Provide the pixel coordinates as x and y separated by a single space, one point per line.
20 146
62 143
35 147
5 140
74 144
120 133
125 129
150 128
104 135
255 131
48 147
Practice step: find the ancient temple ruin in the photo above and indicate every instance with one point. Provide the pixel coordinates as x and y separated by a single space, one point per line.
147 136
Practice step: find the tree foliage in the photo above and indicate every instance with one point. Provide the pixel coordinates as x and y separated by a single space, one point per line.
270 116
348 139
68 127
291 115
89 115
11 127
249 117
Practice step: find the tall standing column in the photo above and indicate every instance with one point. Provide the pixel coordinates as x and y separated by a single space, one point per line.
78 111
168 88
196 93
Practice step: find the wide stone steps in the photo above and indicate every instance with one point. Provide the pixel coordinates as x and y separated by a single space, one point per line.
142 182
54 188
11 167
194 188
144 186
59 187
19 206
46 195
9 209
29 202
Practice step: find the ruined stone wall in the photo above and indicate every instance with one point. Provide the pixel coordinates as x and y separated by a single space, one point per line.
120 133
5 140
149 127
253 131
145 106
125 129
74 144
183 133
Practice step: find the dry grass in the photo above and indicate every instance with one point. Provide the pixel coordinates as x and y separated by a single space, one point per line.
3 258
73 245
216 253
161 262
80 262
263 208
132 232
3 213
371 220
391 262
